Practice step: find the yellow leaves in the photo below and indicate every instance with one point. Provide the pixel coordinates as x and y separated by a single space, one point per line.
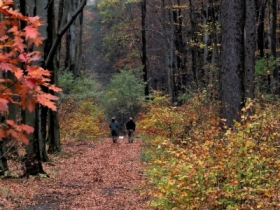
214 169
89 127
249 144
215 172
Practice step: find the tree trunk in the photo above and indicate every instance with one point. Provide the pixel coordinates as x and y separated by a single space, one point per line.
167 49
67 62
172 49
232 65
250 35
206 58
52 62
180 48
144 47
36 150
205 35
79 43
275 76
41 8
33 164
194 47
61 19
62 30
273 28
3 152
261 4
214 54
53 132
71 41
3 158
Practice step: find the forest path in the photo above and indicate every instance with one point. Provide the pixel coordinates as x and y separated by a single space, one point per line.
88 175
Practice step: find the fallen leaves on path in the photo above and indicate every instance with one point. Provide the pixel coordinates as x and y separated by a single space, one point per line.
93 175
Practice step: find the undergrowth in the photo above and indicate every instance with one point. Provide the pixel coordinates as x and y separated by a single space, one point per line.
82 120
191 163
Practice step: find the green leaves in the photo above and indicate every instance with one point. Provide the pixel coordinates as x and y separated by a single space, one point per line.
80 88
125 93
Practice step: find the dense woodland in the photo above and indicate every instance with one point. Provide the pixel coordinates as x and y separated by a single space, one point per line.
201 77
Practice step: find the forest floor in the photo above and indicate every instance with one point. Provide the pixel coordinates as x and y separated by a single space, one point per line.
90 175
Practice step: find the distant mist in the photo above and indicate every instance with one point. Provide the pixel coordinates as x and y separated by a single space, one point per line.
90 2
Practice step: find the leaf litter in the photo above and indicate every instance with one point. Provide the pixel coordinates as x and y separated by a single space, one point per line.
91 175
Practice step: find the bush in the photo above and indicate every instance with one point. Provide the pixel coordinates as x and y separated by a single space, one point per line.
79 112
85 121
124 96
210 168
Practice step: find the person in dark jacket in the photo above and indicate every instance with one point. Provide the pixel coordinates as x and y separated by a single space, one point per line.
130 127
114 126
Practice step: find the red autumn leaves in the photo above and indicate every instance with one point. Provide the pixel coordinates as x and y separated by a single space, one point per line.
24 78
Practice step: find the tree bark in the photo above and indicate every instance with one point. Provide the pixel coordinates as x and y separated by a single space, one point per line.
35 151
232 66
53 122
144 47
79 43
41 8
167 59
62 31
180 49
276 74
194 47
261 4
273 28
61 19
3 152
3 158
52 63
33 161
71 41
214 54
250 39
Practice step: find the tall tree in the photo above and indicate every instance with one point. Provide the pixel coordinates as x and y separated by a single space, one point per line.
144 47
51 62
25 79
180 53
71 41
36 150
194 40
260 7
274 28
250 40
168 46
232 66
3 152
276 74
53 123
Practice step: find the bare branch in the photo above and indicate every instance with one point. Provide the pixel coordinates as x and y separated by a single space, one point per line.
62 32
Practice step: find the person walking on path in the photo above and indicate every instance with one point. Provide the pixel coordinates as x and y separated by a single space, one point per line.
114 126
130 127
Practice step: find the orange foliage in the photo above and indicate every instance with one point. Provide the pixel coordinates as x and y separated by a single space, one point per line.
87 175
203 167
16 58
92 123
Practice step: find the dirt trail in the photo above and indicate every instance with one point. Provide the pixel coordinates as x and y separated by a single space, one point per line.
91 175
